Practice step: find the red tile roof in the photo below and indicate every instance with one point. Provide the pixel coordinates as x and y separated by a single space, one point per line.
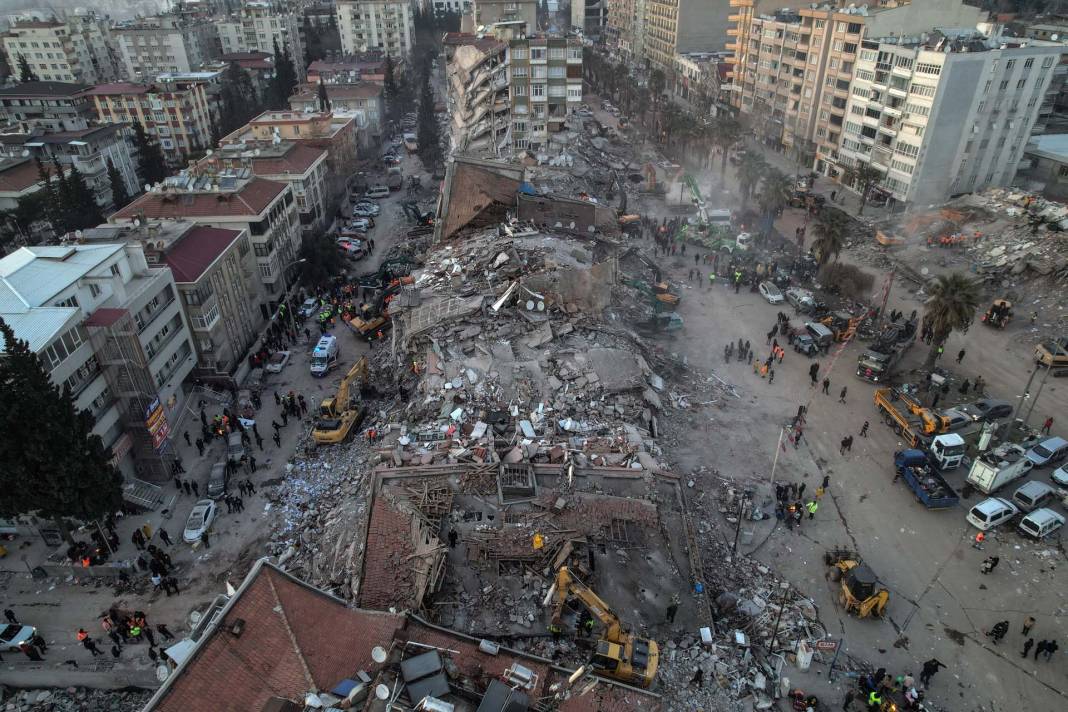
386 561
19 176
297 160
363 90
196 250
295 639
118 88
250 200
105 316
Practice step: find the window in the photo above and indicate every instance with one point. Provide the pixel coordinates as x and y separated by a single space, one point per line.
1020 84
907 149
71 302
556 72
903 62
519 53
853 28
865 74
1003 85
538 72
1009 65
537 90
537 53
574 53
922 90
1029 63
207 319
924 68
1062 171
556 53
520 126
520 71
1047 62
917 109
902 166
519 90
558 90
574 92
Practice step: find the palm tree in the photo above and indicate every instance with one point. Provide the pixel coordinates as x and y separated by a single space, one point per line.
751 170
775 193
831 234
950 307
727 133
657 82
863 177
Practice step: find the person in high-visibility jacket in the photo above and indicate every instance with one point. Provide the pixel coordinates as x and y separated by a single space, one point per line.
812 507
875 700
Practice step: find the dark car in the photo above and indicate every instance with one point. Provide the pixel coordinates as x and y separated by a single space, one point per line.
987 409
805 344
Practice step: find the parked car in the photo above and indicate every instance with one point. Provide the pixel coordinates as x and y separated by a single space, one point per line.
805 344
218 481
1040 523
366 209
991 512
1060 475
986 409
12 635
362 223
277 362
200 521
1050 451
771 293
800 299
377 191
1033 495
957 419
308 308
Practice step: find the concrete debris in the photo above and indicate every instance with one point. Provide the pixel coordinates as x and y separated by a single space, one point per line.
74 699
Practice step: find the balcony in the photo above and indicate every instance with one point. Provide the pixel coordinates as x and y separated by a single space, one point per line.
892 111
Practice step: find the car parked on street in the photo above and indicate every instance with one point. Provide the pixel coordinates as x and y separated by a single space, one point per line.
362 223
377 191
1040 523
309 307
1050 451
991 512
199 521
771 293
986 410
800 299
277 362
366 208
1060 475
12 635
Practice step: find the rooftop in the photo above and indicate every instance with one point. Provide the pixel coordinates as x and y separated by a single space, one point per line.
1051 146
197 250
32 89
32 275
118 88
18 174
273 159
362 90
249 199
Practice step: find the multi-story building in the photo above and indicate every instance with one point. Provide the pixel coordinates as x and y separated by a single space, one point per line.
47 106
589 16
384 25
231 200
941 115
700 80
680 26
19 178
362 100
336 134
793 69
545 75
74 50
480 109
490 12
303 167
104 54
108 326
177 110
166 43
91 151
261 26
626 27
259 65
218 288
371 67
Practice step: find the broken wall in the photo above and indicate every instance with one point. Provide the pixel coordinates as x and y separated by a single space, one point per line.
589 289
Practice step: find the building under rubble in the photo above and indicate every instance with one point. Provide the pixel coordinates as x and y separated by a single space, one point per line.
479 105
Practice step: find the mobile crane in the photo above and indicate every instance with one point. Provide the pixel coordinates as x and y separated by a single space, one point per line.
339 414
619 654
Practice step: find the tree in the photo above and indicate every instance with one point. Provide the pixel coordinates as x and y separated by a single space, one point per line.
25 71
119 195
151 166
429 140
50 460
391 92
750 172
727 132
657 83
50 204
830 229
951 305
863 177
239 99
284 79
775 193
321 263
82 208
324 98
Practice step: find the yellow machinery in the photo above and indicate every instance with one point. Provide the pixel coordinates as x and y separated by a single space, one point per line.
860 593
339 414
619 654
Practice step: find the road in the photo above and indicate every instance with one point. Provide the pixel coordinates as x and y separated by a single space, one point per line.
59 607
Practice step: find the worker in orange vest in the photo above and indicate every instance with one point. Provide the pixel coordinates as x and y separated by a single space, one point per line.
979 538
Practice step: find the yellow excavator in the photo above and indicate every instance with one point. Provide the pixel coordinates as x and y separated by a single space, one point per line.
338 415
860 594
619 654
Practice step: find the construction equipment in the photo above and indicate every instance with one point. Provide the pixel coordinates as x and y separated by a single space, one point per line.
415 214
338 415
842 324
650 177
631 225
907 416
999 314
619 654
860 593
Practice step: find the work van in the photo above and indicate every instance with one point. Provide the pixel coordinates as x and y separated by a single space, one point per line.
377 191
1052 353
1040 523
991 512
1033 495
218 480
325 356
235 448
1050 451
823 336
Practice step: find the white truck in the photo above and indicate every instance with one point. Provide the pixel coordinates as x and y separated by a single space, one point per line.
946 451
994 469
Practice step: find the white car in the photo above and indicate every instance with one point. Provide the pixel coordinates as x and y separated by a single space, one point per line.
14 635
769 291
200 520
277 362
308 308
991 512
1060 475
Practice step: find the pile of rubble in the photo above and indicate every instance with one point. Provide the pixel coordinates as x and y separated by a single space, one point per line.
73 699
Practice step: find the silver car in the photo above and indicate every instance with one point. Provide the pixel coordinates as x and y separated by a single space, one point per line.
200 521
12 635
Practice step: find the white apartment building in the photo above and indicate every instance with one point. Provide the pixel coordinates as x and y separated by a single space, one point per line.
72 51
76 305
258 27
384 25
942 115
156 45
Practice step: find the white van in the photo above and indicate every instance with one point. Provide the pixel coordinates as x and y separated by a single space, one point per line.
325 356
991 512
377 191
1040 523
1033 495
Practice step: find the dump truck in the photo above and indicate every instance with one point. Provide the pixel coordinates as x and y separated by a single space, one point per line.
907 416
998 467
925 481
859 593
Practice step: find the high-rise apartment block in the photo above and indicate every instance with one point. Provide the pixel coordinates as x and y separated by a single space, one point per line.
166 43
545 74
626 27
73 50
261 26
384 25
680 26
490 12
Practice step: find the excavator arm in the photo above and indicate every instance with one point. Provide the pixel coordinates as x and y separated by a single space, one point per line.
566 586
333 407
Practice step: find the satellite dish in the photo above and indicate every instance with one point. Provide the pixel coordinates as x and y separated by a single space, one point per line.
378 654
209 152
530 305
257 151
382 692
78 234
137 222
25 153
162 673
148 187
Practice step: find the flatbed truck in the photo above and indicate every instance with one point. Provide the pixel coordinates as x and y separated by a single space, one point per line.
924 479
909 419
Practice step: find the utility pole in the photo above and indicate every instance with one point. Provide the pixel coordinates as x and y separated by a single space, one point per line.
1034 401
742 497
1026 394
782 606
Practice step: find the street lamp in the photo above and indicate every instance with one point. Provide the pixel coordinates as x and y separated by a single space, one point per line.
285 292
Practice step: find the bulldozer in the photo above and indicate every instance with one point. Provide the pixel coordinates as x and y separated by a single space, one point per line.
860 593
339 414
618 654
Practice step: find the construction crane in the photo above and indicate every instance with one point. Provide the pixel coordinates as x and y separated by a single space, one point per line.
339 414
619 654
695 196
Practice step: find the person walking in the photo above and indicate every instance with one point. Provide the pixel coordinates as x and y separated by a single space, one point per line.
205 540
1047 425
842 395
165 537
1040 648
849 444
196 488
673 608
1051 648
989 564
39 642
842 447
1027 647
864 429
930 669
813 373
200 447
960 355
87 642
10 615
826 386
812 507
32 653
977 543
1029 623
277 440
998 631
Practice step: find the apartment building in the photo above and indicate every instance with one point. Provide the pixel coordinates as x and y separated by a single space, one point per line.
155 45
74 50
384 25
46 106
231 200
303 167
545 76
625 28
215 273
362 100
19 178
369 67
90 150
108 326
680 26
942 114
700 79
480 109
259 27
589 16
335 133
177 110
793 68
490 12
